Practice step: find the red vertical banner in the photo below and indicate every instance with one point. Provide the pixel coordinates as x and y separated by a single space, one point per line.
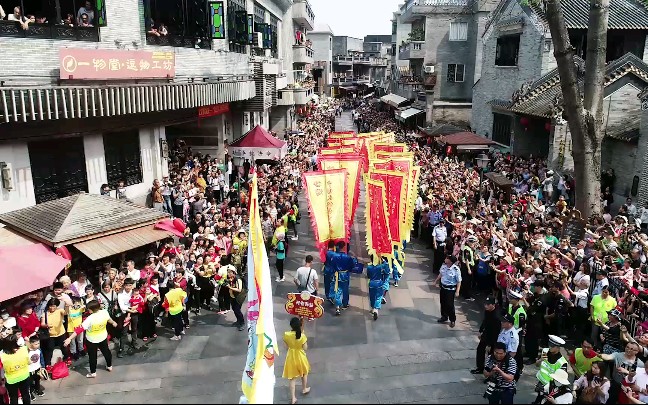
378 240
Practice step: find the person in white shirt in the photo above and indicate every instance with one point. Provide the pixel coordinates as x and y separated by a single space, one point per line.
133 273
19 17
643 212
123 299
306 278
79 286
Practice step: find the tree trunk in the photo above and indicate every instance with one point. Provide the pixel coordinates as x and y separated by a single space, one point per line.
584 115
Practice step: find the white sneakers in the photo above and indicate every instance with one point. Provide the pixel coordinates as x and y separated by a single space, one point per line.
280 280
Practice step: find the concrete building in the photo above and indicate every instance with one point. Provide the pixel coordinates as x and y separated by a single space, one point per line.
354 71
86 106
322 38
436 43
297 55
517 51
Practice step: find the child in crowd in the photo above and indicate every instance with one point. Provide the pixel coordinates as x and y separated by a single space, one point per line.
75 318
36 362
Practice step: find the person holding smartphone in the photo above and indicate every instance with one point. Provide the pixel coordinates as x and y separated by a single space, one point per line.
500 370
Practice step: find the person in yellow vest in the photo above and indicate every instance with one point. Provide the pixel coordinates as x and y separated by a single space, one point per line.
517 311
96 336
281 230
583 358
550 361
174 304
15 362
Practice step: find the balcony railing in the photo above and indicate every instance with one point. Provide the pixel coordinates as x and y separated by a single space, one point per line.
303 14
49 31
178 41
412 3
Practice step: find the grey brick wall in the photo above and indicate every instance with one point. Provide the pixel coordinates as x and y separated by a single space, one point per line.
38 58
642 163
501 82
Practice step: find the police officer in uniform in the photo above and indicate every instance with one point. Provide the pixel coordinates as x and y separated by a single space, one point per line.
519 322
550 361
509 335
450 278
467 267
535 328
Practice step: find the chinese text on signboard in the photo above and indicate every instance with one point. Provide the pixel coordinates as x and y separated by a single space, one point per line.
213 110
304 305
101 64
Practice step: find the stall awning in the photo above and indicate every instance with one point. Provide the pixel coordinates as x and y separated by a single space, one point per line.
393 100
410 112
349 88
28 268
99 248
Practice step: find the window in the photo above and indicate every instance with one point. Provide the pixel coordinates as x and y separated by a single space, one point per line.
456 72
507 50
58 175
502 128
55 19
330 44
237 25
123 157
458 31
394 27
177 23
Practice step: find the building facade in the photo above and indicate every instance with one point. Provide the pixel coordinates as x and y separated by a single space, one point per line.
322 38
104 101
355 72
518 55
437 53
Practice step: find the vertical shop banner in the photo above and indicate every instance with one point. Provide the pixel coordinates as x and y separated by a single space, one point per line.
377 217
217 19
353 167
326 193
395 183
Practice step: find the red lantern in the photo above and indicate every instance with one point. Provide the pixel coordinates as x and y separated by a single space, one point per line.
524 121
449 150
548 126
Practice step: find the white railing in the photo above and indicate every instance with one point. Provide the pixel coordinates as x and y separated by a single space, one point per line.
445 2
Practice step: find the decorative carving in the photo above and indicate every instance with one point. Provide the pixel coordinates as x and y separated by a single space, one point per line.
522 92
533 17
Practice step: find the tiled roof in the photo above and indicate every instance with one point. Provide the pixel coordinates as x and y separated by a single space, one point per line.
627 130
78 217
466 138
442 129
624 14
499 103
540 97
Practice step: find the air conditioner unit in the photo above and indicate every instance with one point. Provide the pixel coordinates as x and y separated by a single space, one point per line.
429 69
257 40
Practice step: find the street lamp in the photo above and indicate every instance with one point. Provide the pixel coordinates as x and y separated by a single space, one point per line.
482 163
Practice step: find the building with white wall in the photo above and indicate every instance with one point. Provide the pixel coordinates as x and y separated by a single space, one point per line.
86 106
322 38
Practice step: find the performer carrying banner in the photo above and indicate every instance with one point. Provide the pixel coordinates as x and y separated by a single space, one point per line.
377 274
398 264
339 289
329 269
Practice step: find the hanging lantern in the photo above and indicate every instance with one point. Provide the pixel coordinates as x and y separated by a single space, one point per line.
548 126
524 121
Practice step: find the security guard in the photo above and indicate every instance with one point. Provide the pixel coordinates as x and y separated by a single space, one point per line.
488 332
509 336
535 327
519 322
450 278
468 267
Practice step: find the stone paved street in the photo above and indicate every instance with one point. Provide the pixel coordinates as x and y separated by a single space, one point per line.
404 357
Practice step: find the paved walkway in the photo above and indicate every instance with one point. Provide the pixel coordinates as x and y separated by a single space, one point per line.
404 357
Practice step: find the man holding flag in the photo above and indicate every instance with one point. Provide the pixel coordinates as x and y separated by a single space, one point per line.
258 376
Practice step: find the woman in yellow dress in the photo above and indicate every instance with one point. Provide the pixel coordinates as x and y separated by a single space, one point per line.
296 361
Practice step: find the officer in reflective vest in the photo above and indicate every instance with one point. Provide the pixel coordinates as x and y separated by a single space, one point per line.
550 361
518 313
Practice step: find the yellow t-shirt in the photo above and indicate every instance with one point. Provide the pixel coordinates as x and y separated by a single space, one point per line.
16 365
601 307
175 298
95 326
55 322
75 317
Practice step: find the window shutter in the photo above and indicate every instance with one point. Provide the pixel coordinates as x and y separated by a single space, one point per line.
452 69
460 72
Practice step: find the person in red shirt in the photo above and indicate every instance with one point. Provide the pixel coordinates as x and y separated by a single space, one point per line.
28 321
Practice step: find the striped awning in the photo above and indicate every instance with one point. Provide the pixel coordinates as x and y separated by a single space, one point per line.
42 103
393 100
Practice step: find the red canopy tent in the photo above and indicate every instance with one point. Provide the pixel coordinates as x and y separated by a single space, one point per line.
258 144
27 268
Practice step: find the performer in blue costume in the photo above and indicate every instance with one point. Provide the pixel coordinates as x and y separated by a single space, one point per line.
396 275
329 269
339 289
377 277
